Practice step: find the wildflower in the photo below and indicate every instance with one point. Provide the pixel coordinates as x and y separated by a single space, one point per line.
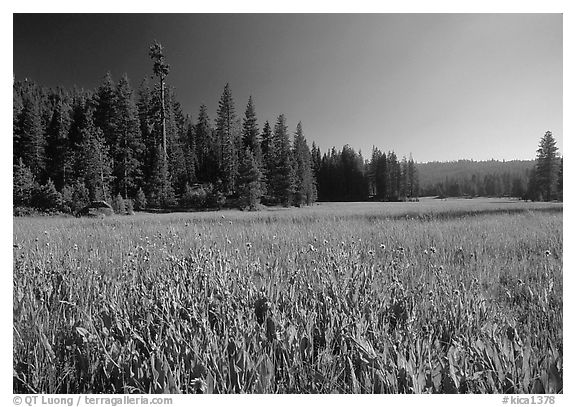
248 245
370 252
325 241
433 249
382 246
457 292
547 253
426 252
228 241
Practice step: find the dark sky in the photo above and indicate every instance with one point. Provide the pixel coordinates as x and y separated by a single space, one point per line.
439 86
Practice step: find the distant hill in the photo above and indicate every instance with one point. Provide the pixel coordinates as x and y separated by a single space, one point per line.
435 172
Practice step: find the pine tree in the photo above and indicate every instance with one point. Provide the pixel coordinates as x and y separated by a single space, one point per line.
413 186
31 143
176 139
560 176
249 182
105 114
281 175
47 197
206 148
266 140
305 185
161 70
160 192
226 134
129 147
393 176
250 133
140 201
58 153
147 114
190 150
23 185
404 178
95 161
547 163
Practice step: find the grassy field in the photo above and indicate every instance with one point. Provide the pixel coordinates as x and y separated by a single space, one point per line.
429 297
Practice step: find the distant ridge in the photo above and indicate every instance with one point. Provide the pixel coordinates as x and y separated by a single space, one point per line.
434 172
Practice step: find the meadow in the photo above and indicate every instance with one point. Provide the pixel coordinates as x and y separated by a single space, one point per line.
457 296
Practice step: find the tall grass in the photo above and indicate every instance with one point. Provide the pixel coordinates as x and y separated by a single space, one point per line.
437 297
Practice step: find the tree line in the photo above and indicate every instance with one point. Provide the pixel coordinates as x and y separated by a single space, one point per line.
73 146
536 180
138 150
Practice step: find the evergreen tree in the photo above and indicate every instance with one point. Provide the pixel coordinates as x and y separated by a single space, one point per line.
47 197
161 70
129 147
413 184
24 185
226 134
105 114
404 178
190 150
58 154
176 139
266 141
281 175
95 161
148 114
249 181
160 192
75 196
140 201
250 133
393 176
31 144
547 164
560 176
316 160
305 185
206 148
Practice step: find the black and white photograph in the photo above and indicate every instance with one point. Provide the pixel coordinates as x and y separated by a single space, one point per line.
286 203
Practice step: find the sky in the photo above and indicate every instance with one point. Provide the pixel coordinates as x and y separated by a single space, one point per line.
438 86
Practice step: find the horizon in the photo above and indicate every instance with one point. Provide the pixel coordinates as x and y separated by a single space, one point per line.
410 83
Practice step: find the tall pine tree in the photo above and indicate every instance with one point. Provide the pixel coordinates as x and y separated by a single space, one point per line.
250 132
305 184
129 148
547 164
227 138
281 176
